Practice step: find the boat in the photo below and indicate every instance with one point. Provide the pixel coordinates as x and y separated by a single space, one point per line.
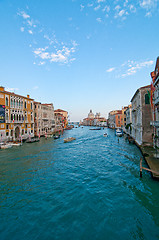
16 144
5 145
105 135
32 140
119 132
99 128
49 135
56 137
70 139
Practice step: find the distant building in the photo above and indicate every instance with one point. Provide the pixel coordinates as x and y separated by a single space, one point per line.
123 123
44 119
65 116
142 116
96 120
91 115
16 116
115 119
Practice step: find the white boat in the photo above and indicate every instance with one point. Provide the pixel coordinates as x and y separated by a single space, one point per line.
105 135
5 145
119 132
16 144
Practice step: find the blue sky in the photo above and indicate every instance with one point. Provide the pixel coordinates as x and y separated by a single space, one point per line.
78 54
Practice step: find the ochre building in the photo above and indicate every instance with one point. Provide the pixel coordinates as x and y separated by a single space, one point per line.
16 116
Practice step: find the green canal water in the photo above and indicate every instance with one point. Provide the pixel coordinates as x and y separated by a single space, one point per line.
86 189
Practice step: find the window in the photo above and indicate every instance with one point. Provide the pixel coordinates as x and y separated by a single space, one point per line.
7 116
7 134
25 125
6 101
31 105
7 126
25 105
23 132
147 99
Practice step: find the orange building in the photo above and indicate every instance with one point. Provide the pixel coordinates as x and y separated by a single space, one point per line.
65 116
16 116
118 119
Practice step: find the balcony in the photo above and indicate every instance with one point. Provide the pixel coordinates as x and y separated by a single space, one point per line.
154 124
156 81
156 101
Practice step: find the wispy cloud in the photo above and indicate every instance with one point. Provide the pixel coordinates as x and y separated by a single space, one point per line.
129 68
134 67
62 55
110 69
97 8
148 4
23 14
99 20
11 89
120 10
54 50
35 87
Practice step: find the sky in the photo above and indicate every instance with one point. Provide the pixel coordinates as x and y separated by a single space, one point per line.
78 54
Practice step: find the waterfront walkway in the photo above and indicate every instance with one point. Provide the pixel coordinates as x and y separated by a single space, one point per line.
151 156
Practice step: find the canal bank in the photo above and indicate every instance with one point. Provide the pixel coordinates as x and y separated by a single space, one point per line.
151 157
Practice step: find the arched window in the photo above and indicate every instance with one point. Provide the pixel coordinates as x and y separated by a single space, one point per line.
11 117
6 101
147 99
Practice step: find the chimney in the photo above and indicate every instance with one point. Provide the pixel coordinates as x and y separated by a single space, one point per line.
28 96
1 88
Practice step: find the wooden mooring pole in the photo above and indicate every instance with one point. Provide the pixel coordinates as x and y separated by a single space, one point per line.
147 169
141 167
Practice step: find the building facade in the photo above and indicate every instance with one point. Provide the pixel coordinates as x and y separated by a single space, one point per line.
44 119
115 119
155 102
128 127
142 116
65 116
16 116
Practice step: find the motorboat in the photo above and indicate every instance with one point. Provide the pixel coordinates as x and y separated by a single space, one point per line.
99 128
70 139
119 132
105 135
32 140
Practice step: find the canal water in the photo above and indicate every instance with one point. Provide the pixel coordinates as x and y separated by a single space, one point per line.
86 189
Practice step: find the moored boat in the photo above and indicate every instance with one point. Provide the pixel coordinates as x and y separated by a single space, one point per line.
56 137
98 128
32 140
5 145
119 132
